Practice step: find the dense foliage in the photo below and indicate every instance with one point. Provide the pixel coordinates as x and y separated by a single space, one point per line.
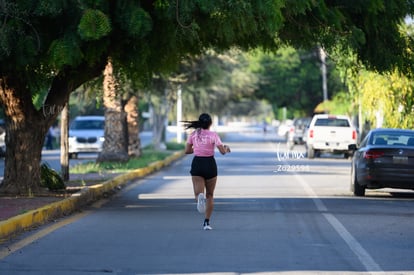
50 47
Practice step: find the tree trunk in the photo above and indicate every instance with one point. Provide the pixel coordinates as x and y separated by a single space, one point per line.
26 129
23 156
115 147
158 130
160 118
134 142
26 126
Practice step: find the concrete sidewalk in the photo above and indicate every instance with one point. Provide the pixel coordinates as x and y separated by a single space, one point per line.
89 194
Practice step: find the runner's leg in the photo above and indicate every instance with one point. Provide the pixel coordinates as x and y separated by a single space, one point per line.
210 186
198 185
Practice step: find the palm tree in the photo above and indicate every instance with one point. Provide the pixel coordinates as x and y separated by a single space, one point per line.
115 146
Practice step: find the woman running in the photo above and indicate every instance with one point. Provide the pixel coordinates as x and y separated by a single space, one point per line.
203 171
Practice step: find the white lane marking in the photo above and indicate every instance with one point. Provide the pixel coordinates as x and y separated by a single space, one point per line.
366 260
176 177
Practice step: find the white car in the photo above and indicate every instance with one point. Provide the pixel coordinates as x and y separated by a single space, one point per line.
86 135
330 133
284 127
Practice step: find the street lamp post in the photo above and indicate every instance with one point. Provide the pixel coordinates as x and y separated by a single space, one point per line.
179 114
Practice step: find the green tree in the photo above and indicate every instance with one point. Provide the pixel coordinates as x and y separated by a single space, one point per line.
48 48
162 96
211 81
386 99
292 78
378 99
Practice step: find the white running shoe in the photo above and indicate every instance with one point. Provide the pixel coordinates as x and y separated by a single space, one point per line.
207 227
201 203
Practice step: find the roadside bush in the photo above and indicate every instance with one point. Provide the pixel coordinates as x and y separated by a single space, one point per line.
50 178
174 146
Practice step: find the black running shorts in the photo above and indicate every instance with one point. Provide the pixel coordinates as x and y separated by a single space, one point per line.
205 167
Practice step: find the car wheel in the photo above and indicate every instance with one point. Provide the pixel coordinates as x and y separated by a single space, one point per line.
357 189
311 152
73 155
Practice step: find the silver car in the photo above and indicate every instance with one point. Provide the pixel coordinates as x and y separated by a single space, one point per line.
86 135
295 135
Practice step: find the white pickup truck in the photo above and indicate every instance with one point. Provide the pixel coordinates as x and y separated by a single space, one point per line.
330 133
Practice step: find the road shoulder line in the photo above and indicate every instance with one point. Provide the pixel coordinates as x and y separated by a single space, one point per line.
366 260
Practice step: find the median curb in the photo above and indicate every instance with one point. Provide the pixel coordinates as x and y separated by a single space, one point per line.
76 201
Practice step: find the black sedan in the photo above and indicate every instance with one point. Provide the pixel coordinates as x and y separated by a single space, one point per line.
384 159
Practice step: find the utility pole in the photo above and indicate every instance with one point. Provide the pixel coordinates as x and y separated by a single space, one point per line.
64 143
322 55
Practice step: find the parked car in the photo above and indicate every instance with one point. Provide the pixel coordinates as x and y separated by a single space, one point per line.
297 131
331 134
86 135
384 159
283 128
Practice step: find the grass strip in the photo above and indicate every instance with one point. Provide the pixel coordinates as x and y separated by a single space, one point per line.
149 155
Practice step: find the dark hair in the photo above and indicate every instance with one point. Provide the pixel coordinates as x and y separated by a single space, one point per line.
204 121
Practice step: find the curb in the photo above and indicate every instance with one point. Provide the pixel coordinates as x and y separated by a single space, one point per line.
78 200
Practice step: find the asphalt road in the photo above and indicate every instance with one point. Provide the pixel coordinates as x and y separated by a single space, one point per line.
276 212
